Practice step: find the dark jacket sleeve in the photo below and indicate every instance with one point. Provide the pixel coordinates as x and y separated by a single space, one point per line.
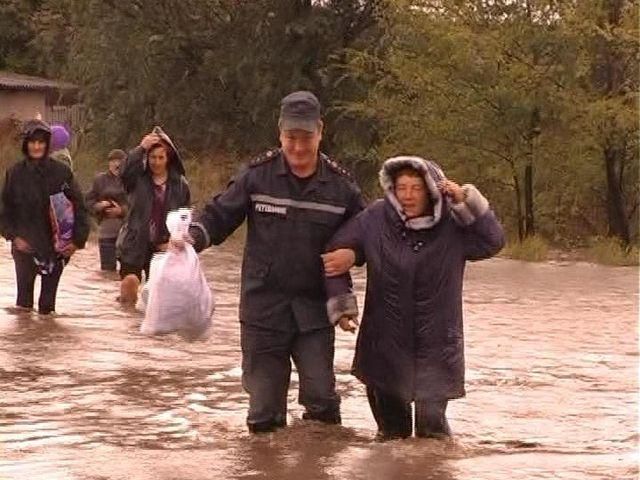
341 299
222 214
356 205
125 209
483 234
484 238
357 202
351 235
7 227
122 200
133 168
93 195
81 226
186 201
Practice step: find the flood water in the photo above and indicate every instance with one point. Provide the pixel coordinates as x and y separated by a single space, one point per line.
552 387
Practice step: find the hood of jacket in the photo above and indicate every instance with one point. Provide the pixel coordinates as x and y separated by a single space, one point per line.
432 174
175 161
29 129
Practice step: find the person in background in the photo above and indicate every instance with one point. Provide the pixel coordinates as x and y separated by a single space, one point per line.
153 177
26 218
60 141
416 242
107 200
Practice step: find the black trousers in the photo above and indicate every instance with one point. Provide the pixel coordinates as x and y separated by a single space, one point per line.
128 269
26 273
107 248
266 371
394 417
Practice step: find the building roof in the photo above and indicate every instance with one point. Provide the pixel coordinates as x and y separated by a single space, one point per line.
16 81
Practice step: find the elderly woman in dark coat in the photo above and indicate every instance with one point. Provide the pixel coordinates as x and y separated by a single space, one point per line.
415 242
27 218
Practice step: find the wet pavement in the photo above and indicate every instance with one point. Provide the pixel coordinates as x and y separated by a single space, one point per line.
552 387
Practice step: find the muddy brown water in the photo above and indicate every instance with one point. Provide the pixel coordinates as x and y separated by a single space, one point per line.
552 387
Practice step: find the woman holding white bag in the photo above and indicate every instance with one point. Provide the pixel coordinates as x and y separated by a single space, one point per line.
154 179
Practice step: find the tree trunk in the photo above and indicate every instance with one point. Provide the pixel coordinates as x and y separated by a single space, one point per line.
618 221
534 133
518 198
613 153
529 226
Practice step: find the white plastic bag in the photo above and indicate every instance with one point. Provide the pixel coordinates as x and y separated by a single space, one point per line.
176 298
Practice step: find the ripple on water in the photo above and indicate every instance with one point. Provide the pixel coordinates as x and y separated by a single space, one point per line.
552 381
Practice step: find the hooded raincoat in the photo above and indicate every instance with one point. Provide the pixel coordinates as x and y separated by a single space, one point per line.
25 198
411 343
134 243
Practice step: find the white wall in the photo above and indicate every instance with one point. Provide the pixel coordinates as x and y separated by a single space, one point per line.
24 105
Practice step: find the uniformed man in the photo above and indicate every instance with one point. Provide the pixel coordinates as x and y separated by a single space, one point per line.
294 198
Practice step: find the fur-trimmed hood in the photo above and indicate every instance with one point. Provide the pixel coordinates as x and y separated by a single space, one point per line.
432 174
464 213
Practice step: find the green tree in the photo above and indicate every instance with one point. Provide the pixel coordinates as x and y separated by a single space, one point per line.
17 35
606 91
496 92
212 71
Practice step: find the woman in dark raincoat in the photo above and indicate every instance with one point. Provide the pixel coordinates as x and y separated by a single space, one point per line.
28 221
415 242
153 177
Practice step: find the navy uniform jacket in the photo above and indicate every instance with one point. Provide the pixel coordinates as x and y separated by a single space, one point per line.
289 225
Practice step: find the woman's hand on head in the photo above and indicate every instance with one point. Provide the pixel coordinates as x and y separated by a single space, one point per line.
149 140
452 189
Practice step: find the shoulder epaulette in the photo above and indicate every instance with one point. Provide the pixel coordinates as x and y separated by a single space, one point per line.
264 157
336 167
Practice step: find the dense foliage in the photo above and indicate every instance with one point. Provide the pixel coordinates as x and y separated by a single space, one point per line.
536 101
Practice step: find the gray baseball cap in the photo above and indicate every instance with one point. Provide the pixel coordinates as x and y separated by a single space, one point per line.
299 111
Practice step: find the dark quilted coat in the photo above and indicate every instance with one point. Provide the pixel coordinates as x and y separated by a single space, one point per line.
411 341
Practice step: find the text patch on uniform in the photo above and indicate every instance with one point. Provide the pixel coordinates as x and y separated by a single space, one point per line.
267 208
275 202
